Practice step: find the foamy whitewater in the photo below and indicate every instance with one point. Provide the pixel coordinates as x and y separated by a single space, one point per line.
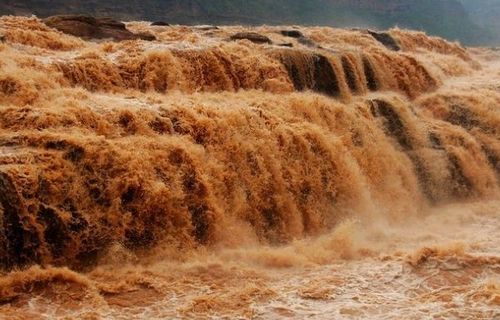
195 177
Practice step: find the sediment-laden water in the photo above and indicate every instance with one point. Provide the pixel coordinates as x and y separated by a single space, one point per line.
336 174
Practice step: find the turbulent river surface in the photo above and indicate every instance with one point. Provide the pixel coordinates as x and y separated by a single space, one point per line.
326 174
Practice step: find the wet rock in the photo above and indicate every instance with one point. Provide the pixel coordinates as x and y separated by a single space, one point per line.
308 42
300 38
206 28
160 24
251 36
146 36
87 27
292 33
386 39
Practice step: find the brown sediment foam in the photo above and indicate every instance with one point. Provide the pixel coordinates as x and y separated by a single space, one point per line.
198 141
413 40
19 240
456 253
284 180
410 135
35 33
227 68
56 284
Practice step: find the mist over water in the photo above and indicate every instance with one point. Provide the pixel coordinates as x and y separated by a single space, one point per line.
193 176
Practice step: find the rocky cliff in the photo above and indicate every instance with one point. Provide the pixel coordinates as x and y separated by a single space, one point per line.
446 18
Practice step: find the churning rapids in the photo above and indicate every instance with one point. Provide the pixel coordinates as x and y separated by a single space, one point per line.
325 174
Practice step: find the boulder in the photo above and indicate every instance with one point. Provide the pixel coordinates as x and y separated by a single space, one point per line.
308 42
300 38
251 36
206 28
87 27
160 24
386 39
146 36
292 33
